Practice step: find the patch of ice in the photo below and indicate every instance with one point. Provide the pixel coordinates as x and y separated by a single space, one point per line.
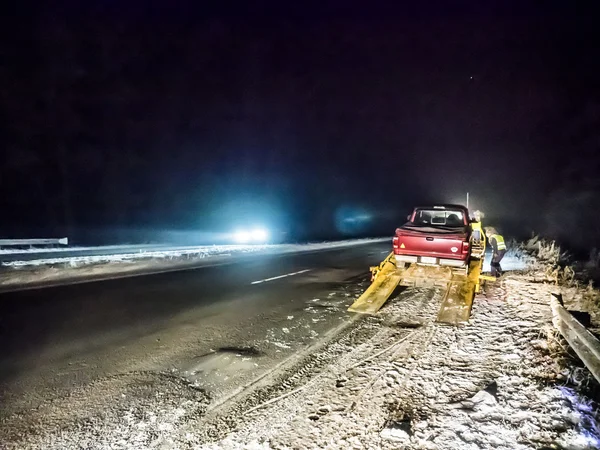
280 345
394 434
511 357
584 440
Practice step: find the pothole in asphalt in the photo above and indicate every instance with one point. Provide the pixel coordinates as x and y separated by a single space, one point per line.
243 351
224 364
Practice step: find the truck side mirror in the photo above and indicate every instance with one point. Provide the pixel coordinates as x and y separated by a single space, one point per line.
408 217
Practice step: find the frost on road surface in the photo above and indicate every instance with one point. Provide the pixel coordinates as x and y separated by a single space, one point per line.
395 380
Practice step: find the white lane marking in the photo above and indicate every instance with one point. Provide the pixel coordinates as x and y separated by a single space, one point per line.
281 276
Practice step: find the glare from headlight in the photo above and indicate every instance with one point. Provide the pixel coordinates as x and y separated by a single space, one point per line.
260 235
255 236
242 237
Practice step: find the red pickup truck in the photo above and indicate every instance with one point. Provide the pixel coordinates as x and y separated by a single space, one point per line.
434 235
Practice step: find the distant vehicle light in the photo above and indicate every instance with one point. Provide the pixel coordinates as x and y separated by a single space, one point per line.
255 236
260 235
242 237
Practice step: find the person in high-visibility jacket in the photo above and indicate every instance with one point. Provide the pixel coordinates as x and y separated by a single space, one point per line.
496 241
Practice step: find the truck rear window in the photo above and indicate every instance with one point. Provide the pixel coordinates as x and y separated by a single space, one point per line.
437 217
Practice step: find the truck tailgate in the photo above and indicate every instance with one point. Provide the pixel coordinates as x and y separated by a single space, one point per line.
431 244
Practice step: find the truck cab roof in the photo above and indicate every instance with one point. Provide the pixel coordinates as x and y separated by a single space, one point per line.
442 206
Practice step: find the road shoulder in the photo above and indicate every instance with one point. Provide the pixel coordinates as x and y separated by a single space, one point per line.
499 382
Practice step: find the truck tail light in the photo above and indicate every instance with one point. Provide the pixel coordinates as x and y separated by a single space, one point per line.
395 242
465 247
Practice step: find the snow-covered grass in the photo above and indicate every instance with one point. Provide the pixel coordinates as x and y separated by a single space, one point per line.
548 255
178 252
187 252
92 267
558 267
32 249
591 268
544 250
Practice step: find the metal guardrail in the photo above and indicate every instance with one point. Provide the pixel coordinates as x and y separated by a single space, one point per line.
18 242
585 344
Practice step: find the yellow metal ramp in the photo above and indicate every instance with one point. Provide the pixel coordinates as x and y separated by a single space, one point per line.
458 299
385 279
460 284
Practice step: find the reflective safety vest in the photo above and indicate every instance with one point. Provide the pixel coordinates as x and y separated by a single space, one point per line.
499 241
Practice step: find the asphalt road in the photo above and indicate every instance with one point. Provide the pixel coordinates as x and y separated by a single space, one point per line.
216 327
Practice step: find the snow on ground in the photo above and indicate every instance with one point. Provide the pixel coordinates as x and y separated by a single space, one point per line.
170 252
496 383
513 261
72 268
396 380
32 249
195 252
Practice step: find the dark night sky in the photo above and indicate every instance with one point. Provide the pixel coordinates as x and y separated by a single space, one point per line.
132 115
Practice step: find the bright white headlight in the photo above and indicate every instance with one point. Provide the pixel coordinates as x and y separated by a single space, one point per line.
243 236
260 235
